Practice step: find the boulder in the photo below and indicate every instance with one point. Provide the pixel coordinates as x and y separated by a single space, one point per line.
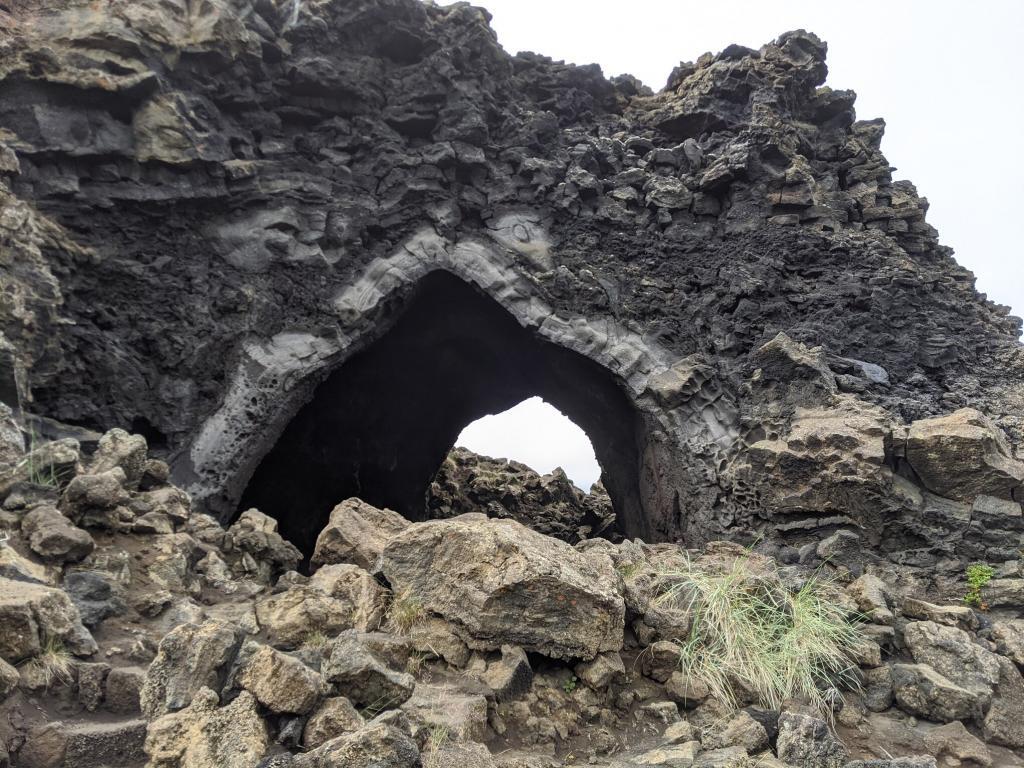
53 537
741 730
255 548
807 742
336 598
84 745
97 500
920 690
121 693
458 754
363 674
1004 721
871 596
604 670
190 657
460 715
356 533
511 675
280 682
954 741
952 653
376 745
204 735
1009 639
951 615
9 678
117 448
962 455
96 595
32 615
334 717
499 583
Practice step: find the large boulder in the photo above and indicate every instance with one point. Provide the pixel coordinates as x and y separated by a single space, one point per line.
365 675
280 682
922 691
962 455
461 715
952 653
205 735
53 537
377 745
499 583
190 657
1004 721
33 615
356 533
334 717
336 598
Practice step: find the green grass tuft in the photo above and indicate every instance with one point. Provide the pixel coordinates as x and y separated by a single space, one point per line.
747 631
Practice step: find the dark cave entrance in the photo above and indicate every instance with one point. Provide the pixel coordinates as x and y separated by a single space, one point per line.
380 425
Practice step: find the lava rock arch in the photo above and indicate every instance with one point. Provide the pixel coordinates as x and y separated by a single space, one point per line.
380 425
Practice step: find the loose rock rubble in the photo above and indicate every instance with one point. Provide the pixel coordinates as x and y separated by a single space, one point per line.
462 641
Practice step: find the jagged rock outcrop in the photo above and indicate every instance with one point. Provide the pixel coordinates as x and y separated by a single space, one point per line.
550 504
302 182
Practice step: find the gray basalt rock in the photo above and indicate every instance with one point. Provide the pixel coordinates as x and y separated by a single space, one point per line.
920 690
364 676
191 657
545 596
53 537
356 533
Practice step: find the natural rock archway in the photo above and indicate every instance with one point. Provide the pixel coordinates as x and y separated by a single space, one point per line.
380 425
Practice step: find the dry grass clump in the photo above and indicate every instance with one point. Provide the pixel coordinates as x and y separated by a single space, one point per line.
53 664
748 631
404 612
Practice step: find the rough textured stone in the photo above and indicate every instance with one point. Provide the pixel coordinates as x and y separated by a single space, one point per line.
807 742
963 455
363 676
377 745
32 614
333 718
920 690
546 597
356 533
460 715
952 653
549 504
957 742
279 682
343 169
204 735
1009 639
336 598
1003 723
190 657
53 537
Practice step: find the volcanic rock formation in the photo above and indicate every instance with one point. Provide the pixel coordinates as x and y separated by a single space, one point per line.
280 237
262 260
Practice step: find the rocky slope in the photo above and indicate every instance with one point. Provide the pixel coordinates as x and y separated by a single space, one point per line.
137 632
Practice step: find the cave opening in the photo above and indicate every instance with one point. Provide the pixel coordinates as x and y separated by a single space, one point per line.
380 425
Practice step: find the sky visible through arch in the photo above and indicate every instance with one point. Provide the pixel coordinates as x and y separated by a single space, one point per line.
946 75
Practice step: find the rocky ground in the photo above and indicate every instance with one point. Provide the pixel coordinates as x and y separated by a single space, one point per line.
136 632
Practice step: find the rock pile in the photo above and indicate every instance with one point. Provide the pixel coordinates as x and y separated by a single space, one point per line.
167 641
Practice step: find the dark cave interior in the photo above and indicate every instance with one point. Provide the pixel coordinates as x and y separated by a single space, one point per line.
380 425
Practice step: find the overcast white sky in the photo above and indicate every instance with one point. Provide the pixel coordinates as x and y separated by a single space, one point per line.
946 76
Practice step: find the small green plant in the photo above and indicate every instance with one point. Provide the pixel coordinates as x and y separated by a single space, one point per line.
315 641
978 575
405 611
570 684
54 663
746 629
